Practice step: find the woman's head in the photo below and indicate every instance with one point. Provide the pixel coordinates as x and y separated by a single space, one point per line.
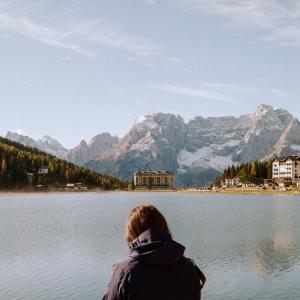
142 218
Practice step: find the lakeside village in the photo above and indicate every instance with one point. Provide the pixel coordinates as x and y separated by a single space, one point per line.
285 176
282 174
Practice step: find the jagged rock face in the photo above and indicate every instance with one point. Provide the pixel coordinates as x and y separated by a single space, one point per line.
289 142
153 133
152 143
212 142
52 146
100 144
46 144
268 125
198 151
80 155
84 152
22 139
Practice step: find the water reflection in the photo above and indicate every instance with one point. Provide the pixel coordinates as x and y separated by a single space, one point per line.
63 247
279 252
276 255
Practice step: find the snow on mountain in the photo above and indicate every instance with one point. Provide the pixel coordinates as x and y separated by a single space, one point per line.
205 158
152 143
196 151
199 150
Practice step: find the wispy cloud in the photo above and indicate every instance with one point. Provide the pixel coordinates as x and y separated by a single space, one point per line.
83 36
278 21
151 2
43 34
211 91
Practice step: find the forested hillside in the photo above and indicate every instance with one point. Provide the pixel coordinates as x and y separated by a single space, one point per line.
20 165
253 172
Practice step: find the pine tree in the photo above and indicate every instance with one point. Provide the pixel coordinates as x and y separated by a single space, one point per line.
253 171
3 166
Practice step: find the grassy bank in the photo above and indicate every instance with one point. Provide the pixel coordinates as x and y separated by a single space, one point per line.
246 191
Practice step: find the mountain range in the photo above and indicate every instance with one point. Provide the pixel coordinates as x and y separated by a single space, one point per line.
196 151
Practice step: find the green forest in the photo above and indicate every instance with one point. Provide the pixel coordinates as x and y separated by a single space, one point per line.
253 172
20 168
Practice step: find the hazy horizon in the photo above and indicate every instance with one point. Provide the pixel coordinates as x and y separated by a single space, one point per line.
71 70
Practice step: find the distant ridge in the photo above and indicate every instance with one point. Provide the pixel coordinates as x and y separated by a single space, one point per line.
196 151
79 155
18 163
201 149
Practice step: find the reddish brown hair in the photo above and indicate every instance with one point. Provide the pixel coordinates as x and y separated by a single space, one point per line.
142 218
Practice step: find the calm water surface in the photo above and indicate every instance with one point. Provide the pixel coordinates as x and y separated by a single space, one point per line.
63 246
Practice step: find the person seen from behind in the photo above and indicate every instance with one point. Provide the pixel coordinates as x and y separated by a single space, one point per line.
156 268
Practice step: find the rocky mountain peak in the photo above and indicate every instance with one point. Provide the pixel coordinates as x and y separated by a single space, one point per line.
51 142
22 139
93 150
83 143
262 110
195 151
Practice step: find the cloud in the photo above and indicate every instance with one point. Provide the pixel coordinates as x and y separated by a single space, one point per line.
278 21
44 34
83 36
151 2
211 91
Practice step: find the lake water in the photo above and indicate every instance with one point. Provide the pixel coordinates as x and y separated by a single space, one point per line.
63 246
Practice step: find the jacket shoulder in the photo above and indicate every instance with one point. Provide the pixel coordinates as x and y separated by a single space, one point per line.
118 285
199 273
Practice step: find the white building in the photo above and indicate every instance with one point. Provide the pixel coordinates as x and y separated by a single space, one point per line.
43 170
231 182
286 170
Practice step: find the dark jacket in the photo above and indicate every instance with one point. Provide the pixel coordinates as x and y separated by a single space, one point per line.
156 269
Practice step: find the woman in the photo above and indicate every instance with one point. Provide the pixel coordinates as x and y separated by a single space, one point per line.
156 268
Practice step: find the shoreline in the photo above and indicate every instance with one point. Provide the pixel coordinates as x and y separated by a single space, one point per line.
242 191
199 192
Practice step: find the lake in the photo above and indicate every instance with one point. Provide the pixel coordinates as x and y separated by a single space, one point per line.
63 246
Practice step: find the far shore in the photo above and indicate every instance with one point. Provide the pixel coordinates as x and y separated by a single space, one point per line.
243 191
42 192
228 191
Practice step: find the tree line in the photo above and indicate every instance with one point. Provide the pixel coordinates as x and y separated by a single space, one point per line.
253 172
20 165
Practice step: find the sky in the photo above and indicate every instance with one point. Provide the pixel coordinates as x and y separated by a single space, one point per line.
75 68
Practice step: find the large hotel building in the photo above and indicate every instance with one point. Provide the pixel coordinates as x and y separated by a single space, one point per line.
286 170
153 180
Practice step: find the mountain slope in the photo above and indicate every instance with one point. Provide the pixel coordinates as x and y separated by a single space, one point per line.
152 143
289 142
46 144
18 161
79 155
268 125
196 151
199 151
84 152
